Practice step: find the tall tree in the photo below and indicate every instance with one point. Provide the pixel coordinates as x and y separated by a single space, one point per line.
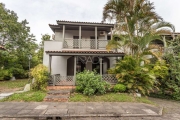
136 23
18 41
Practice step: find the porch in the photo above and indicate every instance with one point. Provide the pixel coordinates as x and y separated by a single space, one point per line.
77 61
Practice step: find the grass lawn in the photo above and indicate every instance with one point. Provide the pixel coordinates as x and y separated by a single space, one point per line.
30 96
109 97
13 84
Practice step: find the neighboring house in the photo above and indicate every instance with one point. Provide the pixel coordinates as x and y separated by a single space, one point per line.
78 46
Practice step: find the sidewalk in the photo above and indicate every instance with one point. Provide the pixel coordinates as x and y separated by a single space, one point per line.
76 109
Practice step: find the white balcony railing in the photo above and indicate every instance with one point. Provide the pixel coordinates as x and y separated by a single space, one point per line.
85 44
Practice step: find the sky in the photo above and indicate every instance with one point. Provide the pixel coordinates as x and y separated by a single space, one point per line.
40 13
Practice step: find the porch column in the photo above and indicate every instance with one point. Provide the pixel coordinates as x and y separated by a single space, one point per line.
50 59
79 36
100 59
63 35
75 69
96 38
105 37
111 33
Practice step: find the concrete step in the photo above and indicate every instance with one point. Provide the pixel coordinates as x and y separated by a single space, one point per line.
61 87
59 92
56 98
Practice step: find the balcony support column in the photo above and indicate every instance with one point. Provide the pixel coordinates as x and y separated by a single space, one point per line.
105 36
96 42
100 59
63 35
79 37
111 32
50 60
75 61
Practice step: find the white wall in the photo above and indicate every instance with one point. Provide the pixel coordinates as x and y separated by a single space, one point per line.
59 63
112 61
58 35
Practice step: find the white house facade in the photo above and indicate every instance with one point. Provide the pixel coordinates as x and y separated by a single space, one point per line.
78 46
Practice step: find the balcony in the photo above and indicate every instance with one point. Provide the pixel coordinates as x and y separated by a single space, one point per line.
85 44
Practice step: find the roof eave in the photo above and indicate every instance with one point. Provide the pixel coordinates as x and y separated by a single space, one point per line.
59 22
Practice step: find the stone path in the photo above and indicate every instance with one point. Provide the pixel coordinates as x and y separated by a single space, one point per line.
71 110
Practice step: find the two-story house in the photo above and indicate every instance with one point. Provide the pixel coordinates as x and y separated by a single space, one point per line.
78 46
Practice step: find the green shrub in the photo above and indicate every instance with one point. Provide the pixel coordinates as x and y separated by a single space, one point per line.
135 77
5 75
90 83
119 88
19 73
1 75
40 74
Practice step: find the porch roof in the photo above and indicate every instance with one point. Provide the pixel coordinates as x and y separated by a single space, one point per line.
85 53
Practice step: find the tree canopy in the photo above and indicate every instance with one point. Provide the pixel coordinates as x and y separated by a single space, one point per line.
15 36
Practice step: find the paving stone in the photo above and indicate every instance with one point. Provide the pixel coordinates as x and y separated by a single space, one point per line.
2 106
37 112
2 111
71 111
11 112
62 106
30 107
19 107
149 111
10 106
41 107
100 111
24 112
56 112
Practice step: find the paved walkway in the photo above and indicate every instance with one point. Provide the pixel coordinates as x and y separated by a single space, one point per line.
4 95
59 110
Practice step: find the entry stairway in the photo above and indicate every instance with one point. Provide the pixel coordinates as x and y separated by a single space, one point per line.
58 93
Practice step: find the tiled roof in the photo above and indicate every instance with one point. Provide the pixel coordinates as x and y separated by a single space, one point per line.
2 48
52 25
84 52
84 22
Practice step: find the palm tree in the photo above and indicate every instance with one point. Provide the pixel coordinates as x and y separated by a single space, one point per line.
136 24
